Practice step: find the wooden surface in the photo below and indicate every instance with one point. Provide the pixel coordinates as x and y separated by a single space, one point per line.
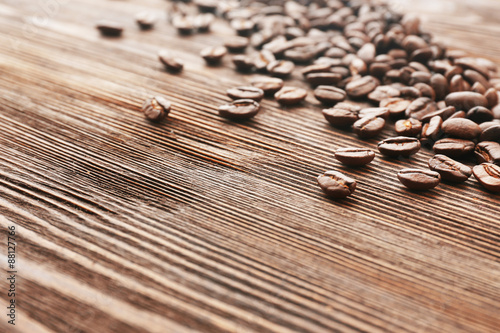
203 225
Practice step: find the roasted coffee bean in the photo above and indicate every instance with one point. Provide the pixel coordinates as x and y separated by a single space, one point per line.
368 127
425 90
454 148
491 133
440 86
458 84
488 152
358 67
374 112
262 59
202 22
383 92
408 127
480 114
478 88
146 20
316 79
471 63
488 175
458 114
213 55
399 146
246 93
207 6
431 131
420 107
300 54
156 108
378 69
236 44
184 24
329 95
243 27
449 169
410 93
270 85
461 128
290 95
397 106
336 185
171 63
472 76
342 115
241 109
444 113
243 63
354 157
420 180
466 100
280 68
361 87
420 77
491 96
317 68
109 28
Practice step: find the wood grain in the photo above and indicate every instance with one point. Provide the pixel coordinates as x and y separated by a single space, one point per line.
204 225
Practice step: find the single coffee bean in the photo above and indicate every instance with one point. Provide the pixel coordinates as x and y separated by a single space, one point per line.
342 115
375 112
368 127
317 68
156 108
109 28
383 92
146 20
408 127
184 24
354 157
478 88
458 84
465 100
472 63
440 86
472 76
484 126
290 95
450 170
420 107
492 97
280 68
379 69
491 133
246 93
270 85
488 175
454 148
301 55
420 180
397 106
262 59
480 114
171 63
213 54
241 109
236 44
444 113
336 185
488 152
207 6
243 63
329 95
461 128
202 22
458 114
399 146
426 90
361 87
316 79
410 93
431 131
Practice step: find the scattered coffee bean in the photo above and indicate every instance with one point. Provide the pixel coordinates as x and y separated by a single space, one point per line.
480 114
420 180
408 127
316 79
375 112
184 24
241 109
458 114
109 28
207 6
488 175
420 107
280 68
156 108
492 133
342 115
491 96
383 92
354 157
488 152
461 128
368 127
213 54
262 59
466 100
236 44
431 131
454 148
449 169
146 20
203 22
290 95
246 93
329 95
243 63
397 106
171 63
270 85
362 86
444 113
399 146
336 185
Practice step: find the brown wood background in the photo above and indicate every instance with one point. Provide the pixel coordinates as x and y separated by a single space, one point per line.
200 224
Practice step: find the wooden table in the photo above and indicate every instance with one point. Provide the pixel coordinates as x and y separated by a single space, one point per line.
201 224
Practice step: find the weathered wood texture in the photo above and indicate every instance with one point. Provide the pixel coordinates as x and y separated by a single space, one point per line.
200 224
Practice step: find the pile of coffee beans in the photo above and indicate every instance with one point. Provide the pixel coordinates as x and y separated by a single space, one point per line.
354 52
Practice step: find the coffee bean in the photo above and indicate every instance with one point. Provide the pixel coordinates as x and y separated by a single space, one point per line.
280 68
213 54
243 27
461 128
420 180
243 63
410 93
355 157
458 84
491 133
450 170
290 95
491 96
408 127
207 6
236 44
488 175
458 114
171 63
156 108
361 87
465 100
246 93
336 185
329 95
146 20
478 88
440 86
368 127
399 146
488 152
262 59
317 68
374 112
431 131
184 24
420 107
444 113
397 106
241 109
202 22
316 79
480 114
109 28
342 115
454 148
383 92
425 90
471 63
270 85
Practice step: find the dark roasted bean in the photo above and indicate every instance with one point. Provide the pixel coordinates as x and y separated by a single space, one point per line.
461 128
336 185
444 113
454 148
399 146
156 108
246 93
465 100
458 114
342 115
171 63
425 90
355 157
420 180
368 127
488 152
488 175
374 112
146 20
280 68
397 106
408 127
491 133
361 87
410 93
480 114
240 109
236 44
290 95
420 107
440 86
449 169
382 92
243 63
491 96
270 85
213 55
431 130
317 68
329 95
478 88
109 28
316 79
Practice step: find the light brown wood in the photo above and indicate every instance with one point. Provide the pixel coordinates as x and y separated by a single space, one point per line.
204 225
